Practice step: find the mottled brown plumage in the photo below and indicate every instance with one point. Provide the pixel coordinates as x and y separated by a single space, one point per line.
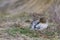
42 20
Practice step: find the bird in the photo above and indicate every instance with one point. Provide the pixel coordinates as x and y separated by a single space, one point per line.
40 24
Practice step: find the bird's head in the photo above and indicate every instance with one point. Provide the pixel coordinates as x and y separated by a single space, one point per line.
42 20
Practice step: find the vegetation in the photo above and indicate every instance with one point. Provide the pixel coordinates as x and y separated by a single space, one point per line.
13 21
25 31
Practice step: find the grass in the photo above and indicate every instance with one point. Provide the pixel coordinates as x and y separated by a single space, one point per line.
22 16
3 16
48 1
25 31
49 33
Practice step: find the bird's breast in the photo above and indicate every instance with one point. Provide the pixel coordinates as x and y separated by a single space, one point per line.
42 26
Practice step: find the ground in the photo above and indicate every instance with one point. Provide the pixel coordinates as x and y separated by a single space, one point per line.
17 14
10 28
